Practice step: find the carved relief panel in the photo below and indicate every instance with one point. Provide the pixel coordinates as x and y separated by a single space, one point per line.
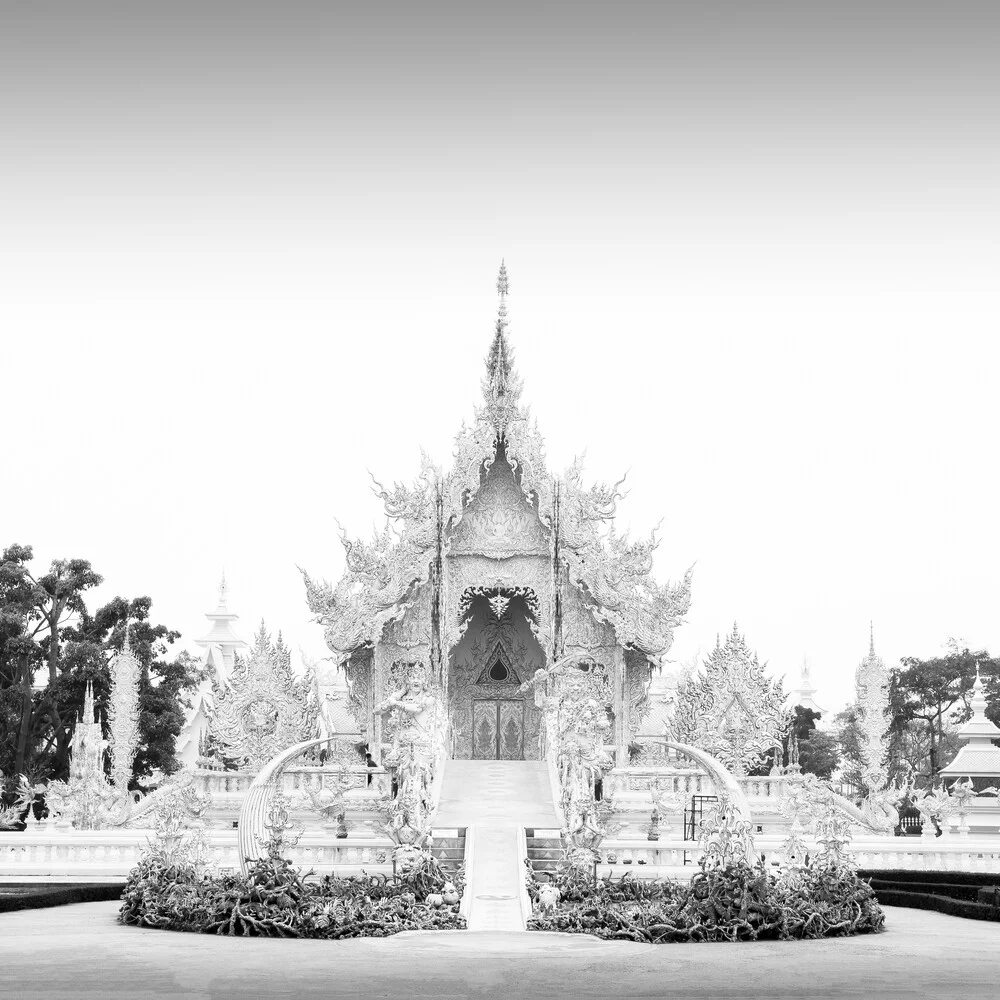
581 630
500 522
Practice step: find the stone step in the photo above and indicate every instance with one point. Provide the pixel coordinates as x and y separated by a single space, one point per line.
450 850
538 854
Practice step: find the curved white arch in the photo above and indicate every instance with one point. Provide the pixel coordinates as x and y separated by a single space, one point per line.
251 831
720 775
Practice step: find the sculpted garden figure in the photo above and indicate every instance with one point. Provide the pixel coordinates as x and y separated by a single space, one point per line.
411 758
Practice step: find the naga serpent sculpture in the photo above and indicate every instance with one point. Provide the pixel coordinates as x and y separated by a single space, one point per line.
254 811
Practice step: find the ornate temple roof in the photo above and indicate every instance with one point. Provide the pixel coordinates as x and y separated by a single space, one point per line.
384 577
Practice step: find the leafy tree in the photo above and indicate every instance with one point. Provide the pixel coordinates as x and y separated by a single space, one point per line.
33 613
928 698
819 754
818 751
45 622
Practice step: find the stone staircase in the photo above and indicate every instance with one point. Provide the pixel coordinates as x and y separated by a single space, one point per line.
449 848
495 800
545 849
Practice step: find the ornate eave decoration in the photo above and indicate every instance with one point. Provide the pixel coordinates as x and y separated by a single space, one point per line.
731 710
265 709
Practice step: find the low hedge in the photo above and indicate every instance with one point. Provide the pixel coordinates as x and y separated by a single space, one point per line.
951 890
942 904
18 896
939 878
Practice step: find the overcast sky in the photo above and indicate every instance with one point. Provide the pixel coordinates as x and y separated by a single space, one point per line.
248 252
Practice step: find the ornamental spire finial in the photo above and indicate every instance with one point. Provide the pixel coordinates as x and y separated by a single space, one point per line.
871 638
501 387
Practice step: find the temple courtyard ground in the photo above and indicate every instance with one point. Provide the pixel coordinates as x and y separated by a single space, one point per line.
80 951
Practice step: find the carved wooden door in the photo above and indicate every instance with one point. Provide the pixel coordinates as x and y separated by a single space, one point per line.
510 730
484 730
497 730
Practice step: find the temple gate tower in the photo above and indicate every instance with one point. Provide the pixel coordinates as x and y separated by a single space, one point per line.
499 569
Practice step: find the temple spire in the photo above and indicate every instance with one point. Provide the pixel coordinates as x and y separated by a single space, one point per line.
871 638
501 386
88 715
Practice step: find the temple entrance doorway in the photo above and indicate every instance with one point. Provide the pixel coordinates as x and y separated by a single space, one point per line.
490 718
497 729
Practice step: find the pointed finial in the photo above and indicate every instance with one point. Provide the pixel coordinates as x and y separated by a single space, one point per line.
223 588
871 638
501 387
502 286
88 714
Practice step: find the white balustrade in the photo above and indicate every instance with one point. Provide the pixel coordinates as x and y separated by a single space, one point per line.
96 854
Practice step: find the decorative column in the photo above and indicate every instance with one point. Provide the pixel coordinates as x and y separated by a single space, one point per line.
872 686
123 714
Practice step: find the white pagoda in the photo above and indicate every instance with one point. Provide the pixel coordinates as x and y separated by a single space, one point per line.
221 644
979 756
803 693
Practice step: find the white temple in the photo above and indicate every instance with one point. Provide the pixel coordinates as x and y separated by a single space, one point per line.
496 675
501 568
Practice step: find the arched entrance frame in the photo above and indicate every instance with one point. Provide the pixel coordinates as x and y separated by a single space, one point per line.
489 717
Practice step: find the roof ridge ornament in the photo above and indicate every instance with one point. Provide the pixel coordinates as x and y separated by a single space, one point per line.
501 386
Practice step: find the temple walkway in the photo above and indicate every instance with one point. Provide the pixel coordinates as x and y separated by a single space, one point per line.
79 952
493 800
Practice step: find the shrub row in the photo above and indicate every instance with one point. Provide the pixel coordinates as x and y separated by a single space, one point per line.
30 897
942 904
952 891
737 903
952 878
275 900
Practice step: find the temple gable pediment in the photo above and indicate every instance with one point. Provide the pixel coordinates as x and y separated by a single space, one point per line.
500 522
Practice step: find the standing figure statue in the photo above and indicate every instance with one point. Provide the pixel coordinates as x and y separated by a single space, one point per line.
573 692
411 758
582 762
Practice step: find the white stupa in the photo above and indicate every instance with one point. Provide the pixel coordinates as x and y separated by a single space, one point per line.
221 645
979 757
803 694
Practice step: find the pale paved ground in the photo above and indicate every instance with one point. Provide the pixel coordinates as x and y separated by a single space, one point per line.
493 799
80 952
